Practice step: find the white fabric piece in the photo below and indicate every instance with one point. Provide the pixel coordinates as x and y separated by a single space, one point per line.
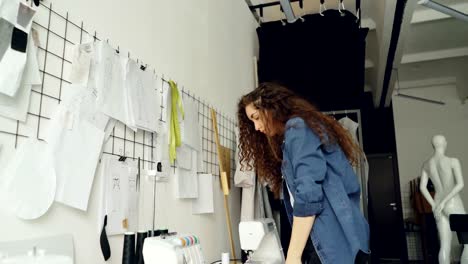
17 107
351 126
81 63
144 102
186 181
245 180
29 180
248 203
119 200
204 204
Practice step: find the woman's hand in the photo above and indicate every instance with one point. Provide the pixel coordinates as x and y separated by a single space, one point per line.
293 260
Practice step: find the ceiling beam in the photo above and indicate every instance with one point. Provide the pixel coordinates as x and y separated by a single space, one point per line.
398 44
434 55
383 13
425 83
427 14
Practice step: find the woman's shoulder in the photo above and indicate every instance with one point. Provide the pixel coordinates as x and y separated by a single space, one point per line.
297 127
295 122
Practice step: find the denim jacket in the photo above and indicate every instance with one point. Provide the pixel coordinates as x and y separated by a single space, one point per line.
323 183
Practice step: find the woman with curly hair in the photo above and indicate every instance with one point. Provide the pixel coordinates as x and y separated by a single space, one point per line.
308 157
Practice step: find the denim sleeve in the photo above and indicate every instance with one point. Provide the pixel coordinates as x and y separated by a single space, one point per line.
309 167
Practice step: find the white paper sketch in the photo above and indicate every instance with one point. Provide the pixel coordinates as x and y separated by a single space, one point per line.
204 204
28 181
120 195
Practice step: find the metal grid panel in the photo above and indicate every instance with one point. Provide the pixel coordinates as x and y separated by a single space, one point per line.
57 36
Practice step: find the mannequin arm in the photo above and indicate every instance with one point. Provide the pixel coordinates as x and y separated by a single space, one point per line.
423 188
300 233
459 182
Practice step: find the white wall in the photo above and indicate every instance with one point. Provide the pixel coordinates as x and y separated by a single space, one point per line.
206 46
415 124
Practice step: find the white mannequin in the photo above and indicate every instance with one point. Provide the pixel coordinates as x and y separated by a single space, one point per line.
446 175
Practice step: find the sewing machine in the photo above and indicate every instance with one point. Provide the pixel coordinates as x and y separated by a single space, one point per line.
260 240
173 250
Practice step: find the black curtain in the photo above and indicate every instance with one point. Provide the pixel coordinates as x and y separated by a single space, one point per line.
321 58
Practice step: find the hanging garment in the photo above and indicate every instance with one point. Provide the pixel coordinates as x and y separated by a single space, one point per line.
362 168
15 25
351 126
175 139
245 180
255 203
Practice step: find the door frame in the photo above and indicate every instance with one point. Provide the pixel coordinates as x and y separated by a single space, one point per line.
397 188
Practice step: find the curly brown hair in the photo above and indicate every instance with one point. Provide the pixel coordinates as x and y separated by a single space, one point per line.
276 105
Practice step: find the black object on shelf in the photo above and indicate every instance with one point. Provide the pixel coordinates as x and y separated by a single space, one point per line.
459 224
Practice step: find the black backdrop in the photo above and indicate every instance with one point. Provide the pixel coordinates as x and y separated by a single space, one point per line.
321 58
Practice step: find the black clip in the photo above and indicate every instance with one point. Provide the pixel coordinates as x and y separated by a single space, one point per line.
159 167
117 50
143 67
122 158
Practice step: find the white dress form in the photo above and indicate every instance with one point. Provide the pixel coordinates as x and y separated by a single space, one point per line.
446 175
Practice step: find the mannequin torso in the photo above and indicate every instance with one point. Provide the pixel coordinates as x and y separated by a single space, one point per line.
446 176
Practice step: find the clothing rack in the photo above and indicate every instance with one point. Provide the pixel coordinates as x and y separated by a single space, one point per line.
301 5
361 170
